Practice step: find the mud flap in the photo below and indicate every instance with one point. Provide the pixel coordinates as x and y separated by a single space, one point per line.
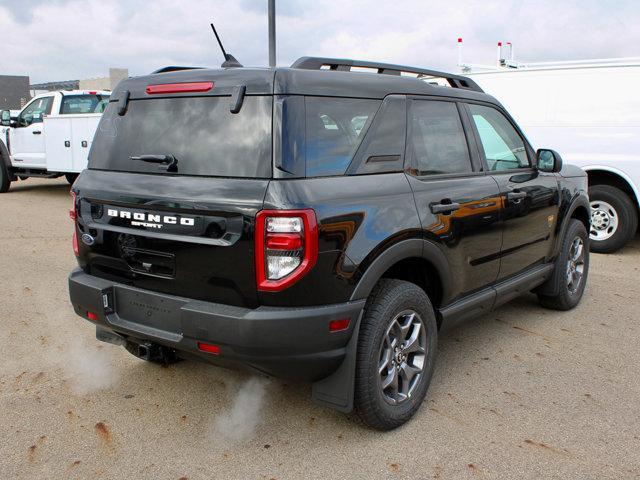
337 390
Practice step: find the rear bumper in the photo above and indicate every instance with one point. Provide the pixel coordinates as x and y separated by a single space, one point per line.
284 342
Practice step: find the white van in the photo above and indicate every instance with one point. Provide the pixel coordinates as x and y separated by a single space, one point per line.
590 114
50 136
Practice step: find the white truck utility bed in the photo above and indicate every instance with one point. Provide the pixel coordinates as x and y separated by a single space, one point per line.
68 139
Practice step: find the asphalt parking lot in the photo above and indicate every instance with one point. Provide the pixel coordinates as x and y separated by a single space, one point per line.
521 393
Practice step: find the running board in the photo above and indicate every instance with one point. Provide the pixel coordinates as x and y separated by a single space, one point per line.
492 297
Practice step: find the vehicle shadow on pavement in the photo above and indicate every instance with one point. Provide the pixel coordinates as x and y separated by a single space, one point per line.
26 186
216 393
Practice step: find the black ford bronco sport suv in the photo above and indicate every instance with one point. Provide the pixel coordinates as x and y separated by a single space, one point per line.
318 223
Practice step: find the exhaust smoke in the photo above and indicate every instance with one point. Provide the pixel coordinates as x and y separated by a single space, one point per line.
240 422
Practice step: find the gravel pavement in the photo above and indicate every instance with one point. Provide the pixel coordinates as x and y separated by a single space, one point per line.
521 393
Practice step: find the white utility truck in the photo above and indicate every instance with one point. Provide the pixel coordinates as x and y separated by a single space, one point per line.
589 111
50 136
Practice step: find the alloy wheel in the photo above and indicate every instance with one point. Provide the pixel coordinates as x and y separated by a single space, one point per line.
575 265
402 357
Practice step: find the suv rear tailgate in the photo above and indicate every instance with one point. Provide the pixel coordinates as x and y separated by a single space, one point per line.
183 235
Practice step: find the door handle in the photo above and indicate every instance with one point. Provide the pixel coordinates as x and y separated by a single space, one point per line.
516 196
444 207
36 132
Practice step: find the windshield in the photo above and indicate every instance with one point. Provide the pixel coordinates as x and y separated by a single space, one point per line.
199 132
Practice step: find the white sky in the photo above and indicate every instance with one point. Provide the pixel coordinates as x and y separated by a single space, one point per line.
73 39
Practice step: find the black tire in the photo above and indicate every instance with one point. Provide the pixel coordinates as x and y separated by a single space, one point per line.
627 217
389 299
71 177
5 180
566 298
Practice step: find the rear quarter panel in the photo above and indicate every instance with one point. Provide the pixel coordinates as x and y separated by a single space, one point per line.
358 217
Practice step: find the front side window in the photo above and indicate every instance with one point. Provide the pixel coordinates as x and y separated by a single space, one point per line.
35 111
503 148
438 142
84 104
334 129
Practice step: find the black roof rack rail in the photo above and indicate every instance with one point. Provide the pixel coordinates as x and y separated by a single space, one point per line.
339 64
173 68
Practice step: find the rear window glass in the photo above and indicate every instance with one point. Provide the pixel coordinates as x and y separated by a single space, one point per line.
334 129
199 132
83 104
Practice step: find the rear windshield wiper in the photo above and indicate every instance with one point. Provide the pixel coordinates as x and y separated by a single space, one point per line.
169 160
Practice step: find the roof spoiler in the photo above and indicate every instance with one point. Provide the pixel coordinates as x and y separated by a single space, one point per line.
173 68
344 65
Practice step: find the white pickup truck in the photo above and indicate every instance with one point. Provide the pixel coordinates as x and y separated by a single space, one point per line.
50 136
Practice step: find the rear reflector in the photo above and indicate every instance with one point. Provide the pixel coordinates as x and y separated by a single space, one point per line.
338 325
207 347
92 316
179 88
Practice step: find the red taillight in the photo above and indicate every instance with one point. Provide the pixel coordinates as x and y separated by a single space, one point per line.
179 88
209 348
73 212
76 248
286 247
92 316
338 325
284 241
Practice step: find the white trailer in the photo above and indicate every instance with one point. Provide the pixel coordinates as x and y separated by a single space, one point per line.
51 136
589 111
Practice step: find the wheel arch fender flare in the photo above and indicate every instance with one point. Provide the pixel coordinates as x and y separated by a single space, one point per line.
409 248
579 202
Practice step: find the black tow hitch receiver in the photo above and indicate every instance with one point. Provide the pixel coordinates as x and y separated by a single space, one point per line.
151 352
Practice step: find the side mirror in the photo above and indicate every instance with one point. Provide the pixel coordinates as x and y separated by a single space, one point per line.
548 160
6 118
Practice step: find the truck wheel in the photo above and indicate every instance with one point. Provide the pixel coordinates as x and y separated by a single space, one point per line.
397 348
71 177
571 270
5 180
614 218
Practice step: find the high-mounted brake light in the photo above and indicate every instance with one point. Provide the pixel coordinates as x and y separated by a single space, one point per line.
286 244
194 87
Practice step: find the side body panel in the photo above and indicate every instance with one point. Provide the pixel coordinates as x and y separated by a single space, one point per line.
359 217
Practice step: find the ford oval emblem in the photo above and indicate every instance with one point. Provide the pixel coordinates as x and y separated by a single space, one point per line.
88 239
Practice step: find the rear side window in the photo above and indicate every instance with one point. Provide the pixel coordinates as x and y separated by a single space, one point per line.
83 104
438 142
200 132
503 148
334 129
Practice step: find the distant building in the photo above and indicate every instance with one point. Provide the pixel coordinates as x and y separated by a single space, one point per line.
38 88
105 83
100 83
14 91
